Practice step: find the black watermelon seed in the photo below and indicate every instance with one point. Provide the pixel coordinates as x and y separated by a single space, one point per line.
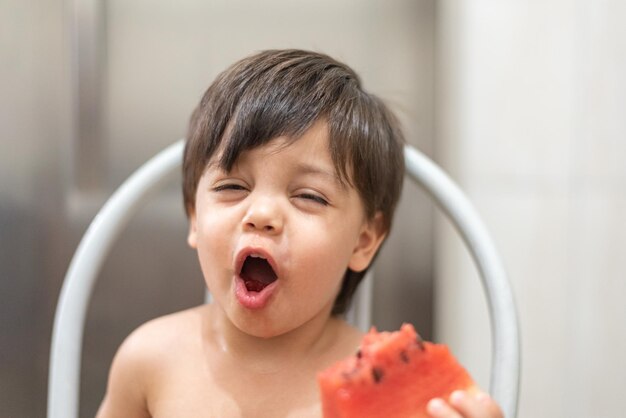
404 356
377 374
359 354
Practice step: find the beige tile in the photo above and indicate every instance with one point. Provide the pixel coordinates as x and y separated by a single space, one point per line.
532 235
596 289
599 148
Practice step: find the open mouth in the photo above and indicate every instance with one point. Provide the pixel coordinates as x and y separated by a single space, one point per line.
257 273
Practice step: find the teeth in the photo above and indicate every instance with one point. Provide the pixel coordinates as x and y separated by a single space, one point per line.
257 256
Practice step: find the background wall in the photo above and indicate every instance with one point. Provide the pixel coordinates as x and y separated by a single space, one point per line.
531 123
522 102
90 89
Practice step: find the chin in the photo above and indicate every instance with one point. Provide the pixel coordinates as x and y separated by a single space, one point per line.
259 325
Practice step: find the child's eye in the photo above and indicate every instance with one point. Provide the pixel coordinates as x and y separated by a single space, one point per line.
229 186
314 198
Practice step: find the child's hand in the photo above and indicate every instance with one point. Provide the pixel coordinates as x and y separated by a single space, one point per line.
463 404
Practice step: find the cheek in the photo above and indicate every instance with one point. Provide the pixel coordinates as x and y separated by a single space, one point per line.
213 245
325 263
212 222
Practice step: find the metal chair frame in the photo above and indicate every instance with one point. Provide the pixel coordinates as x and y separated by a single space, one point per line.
69 321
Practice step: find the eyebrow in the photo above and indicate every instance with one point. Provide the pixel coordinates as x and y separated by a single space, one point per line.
304 168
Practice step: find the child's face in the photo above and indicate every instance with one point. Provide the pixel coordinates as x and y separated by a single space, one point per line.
284 204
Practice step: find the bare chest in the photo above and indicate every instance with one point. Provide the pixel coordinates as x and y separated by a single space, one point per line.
199 391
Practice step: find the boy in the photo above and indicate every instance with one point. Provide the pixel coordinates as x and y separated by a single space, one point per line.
291 174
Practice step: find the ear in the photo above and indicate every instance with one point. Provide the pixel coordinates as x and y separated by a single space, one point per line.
192 236
370 238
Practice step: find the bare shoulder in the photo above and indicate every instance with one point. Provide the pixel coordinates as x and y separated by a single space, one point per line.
346 338
139 359
158 335
156 340
350 333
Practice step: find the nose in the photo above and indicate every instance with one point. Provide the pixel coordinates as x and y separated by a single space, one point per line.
264 215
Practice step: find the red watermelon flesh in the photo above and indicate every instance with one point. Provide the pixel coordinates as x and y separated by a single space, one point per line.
393 375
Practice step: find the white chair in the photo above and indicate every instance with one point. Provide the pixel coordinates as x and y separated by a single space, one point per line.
69 321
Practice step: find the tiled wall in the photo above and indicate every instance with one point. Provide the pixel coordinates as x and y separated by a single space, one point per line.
532 123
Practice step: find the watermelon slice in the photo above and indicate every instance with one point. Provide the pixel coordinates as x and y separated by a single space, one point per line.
393 375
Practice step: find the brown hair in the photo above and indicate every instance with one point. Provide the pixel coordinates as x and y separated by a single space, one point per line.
282 93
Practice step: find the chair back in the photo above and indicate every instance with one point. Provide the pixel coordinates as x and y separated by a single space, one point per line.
69 321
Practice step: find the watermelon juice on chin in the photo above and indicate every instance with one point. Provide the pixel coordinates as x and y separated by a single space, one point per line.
393 375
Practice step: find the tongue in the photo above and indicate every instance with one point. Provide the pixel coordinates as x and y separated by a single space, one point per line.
257 273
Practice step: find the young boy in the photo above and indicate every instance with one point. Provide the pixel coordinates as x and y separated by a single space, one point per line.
291 175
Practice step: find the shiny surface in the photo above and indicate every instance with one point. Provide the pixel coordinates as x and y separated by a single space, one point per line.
83 272
157 59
